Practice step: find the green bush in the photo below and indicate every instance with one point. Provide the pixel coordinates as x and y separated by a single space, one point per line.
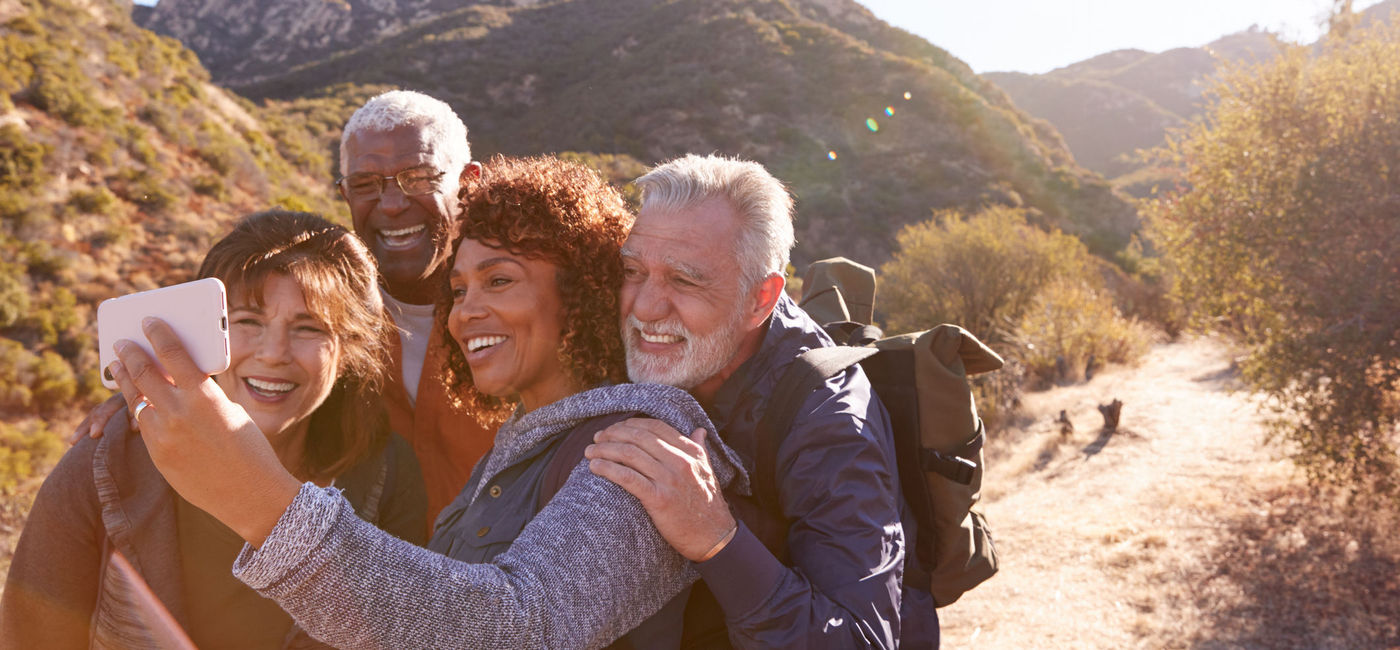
97 200
61 89
54 383
27 449
1069 325
15 366
209 185
147 191
980 271
21 160
57 320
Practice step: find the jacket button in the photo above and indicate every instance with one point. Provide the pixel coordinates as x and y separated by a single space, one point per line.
483 531
495 491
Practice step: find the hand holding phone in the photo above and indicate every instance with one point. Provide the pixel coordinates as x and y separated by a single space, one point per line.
197 311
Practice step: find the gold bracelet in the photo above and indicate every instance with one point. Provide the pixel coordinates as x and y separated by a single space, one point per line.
719 546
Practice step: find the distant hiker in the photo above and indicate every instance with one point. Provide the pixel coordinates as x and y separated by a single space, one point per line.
306 336
534 554
704 309
403 158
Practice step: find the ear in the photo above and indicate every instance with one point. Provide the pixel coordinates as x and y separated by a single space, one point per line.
471 172
764 298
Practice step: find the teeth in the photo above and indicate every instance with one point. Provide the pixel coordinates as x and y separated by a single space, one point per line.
403 232
270 386
660 338
477 343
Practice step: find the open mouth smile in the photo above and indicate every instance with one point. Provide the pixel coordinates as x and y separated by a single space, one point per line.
478 343
402 237
660 339
268 389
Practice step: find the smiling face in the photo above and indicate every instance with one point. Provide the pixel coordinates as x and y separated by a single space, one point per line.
508 318
683 321
284 360
408 235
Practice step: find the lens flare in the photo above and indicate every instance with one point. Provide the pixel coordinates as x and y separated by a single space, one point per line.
831 155
889 110
906 95
871 124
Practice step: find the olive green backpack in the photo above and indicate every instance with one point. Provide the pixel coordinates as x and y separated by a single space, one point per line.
922 379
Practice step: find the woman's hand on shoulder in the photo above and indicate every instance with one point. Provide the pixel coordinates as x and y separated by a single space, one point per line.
96 421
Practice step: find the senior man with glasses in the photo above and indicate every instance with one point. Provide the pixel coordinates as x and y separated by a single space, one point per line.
403 158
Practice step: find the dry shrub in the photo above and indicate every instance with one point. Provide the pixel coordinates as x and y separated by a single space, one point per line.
979 271
1071 325
27 449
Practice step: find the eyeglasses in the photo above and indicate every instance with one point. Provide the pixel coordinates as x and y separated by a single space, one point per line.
412 181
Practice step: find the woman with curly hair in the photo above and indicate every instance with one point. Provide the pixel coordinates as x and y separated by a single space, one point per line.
537 551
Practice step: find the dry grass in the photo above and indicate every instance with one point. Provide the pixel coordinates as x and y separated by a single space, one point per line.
1183 529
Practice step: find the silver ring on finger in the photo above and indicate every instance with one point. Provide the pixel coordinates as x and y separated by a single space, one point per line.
141 405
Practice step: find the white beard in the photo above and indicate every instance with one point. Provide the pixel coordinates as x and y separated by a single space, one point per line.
698 359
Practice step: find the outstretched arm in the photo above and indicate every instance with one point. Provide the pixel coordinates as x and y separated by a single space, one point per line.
586 569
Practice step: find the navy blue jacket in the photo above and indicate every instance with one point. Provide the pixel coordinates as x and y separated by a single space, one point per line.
838 489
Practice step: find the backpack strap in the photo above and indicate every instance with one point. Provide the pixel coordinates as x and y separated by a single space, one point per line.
805 374
569 451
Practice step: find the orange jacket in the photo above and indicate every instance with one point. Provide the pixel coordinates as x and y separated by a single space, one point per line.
447 441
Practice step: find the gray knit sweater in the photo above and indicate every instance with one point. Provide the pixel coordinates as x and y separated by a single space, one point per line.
588 568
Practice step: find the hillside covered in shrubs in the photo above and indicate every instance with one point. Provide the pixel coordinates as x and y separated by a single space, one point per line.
119 164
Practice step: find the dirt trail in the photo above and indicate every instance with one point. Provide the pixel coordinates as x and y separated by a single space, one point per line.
1101 534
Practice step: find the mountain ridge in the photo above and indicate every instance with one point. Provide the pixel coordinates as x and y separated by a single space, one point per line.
1111 105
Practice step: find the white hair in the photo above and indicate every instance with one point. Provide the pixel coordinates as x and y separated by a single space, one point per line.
397 108
764 206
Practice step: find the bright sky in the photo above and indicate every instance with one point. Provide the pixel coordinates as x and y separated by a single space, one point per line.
1041 35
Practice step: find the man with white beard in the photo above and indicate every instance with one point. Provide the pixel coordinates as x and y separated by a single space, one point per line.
704 309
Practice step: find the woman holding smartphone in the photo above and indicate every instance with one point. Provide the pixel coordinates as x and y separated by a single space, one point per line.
306 333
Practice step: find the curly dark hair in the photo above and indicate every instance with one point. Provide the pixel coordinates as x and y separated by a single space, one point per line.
566 214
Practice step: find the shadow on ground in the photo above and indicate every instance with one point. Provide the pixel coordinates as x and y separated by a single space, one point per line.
1299 571
1223 378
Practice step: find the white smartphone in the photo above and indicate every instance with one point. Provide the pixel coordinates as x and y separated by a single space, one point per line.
197 311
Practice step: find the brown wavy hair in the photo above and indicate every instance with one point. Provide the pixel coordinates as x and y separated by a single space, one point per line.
339 281
564 213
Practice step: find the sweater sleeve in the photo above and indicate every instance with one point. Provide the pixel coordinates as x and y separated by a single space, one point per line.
586 569
52 585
